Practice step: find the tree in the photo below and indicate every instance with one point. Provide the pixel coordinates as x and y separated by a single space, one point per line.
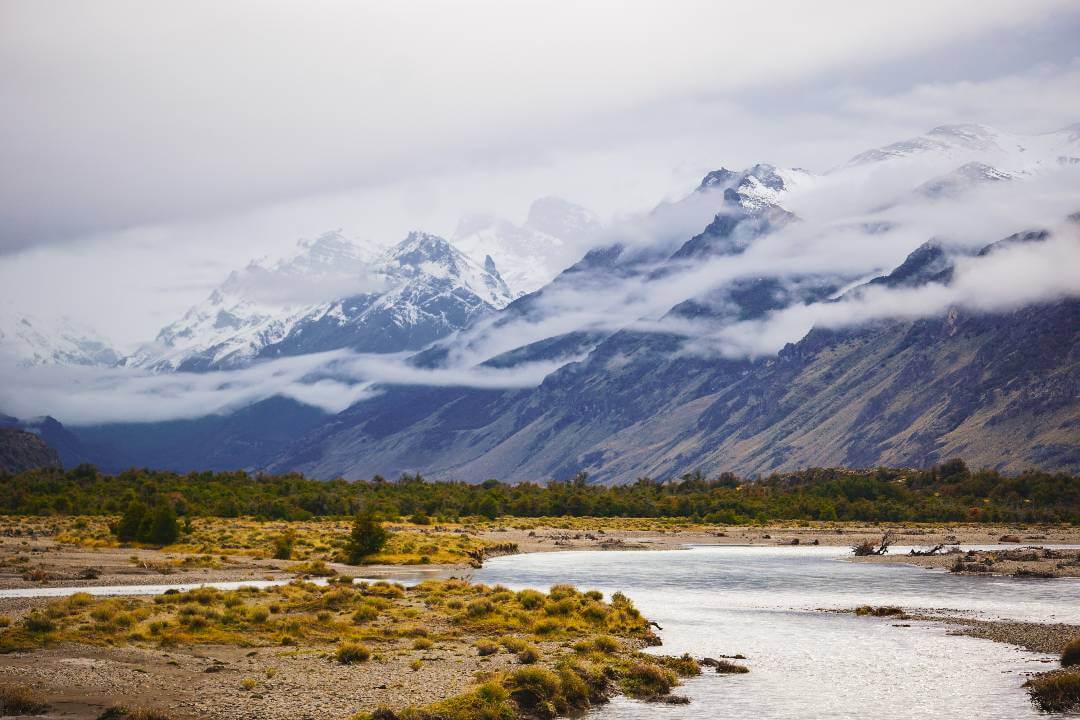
155 525
367 537
162 527
131 522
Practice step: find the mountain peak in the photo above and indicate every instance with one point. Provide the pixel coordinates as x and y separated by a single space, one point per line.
561 218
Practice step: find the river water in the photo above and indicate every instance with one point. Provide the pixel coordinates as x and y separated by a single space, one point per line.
764 603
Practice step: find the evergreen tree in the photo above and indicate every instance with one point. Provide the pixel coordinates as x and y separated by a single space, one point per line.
368 537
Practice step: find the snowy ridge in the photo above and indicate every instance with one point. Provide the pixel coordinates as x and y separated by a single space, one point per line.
262 311
555 235
30 340
959 144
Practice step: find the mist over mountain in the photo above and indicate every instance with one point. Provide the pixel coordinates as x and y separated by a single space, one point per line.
915 303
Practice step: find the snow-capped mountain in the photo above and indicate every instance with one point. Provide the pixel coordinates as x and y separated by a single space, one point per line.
960 144
333 293
556 234
31 340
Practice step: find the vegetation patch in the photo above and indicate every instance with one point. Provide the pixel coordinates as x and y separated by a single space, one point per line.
1057 691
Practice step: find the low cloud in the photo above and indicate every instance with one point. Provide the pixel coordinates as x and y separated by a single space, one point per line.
331 381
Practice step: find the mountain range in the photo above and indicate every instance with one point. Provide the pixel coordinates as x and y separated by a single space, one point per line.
662 337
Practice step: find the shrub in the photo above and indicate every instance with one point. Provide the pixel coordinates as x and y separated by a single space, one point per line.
422 643
1070 656
249 683
283 545
349 653
646 680
37 622
1057 691
259 614
21 700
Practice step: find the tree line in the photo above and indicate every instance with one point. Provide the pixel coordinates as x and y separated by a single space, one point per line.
946 492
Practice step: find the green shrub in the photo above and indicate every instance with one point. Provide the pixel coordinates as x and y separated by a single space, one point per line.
37 622
367 537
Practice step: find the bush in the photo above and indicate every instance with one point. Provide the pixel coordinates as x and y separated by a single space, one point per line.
156 525
283 545
1070 656
21 700
349 653
37 622
1057 691
367 537
645 681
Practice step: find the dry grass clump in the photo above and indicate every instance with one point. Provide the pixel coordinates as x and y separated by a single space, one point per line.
1057 691
485 647
647 681
726 667
1070 654
882 611
349 653
21 700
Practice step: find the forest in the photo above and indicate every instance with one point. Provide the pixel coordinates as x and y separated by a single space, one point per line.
949 492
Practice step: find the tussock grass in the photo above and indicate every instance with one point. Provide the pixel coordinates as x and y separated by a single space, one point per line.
21 700
1057 691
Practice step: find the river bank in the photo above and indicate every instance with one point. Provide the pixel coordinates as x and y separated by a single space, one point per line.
78 552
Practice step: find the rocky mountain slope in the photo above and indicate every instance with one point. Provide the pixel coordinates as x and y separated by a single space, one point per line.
1000 390
22 450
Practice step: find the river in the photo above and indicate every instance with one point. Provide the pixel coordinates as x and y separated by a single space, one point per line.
765 604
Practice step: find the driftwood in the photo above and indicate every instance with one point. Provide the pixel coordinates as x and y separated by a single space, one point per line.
868 548
932 551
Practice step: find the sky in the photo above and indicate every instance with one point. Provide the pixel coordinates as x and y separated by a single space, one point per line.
148 150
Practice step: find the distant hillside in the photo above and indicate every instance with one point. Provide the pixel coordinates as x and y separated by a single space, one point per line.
21 450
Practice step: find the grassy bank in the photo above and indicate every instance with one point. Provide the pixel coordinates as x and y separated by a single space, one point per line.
525 653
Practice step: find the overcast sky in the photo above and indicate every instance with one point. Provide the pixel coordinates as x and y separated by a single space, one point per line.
146 149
